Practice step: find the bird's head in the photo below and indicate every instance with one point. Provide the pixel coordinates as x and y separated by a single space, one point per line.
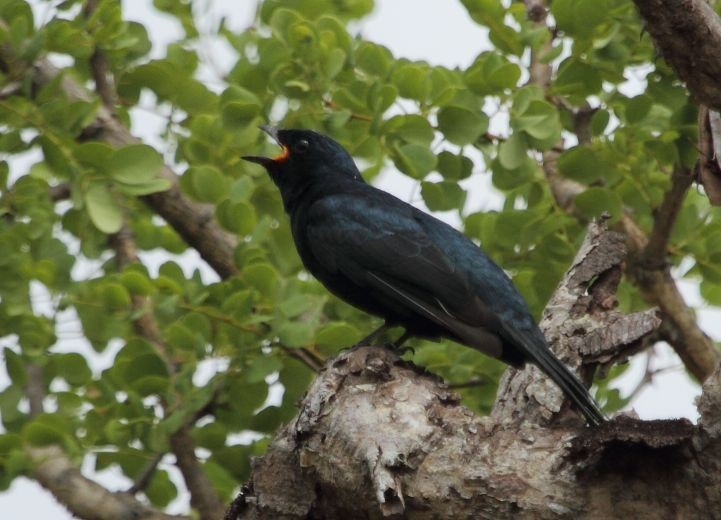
305 157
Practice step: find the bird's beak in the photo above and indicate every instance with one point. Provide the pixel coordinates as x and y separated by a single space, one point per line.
266 161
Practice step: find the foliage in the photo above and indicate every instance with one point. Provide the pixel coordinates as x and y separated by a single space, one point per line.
302 63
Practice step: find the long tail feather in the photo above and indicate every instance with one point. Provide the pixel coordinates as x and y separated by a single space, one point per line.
566 380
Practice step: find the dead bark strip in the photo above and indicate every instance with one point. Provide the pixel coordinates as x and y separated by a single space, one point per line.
378 437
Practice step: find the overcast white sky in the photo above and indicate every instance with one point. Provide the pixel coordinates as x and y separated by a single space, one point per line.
440 33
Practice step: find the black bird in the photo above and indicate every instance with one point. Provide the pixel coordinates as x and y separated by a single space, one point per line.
392 260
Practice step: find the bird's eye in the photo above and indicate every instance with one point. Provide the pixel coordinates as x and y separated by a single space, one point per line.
301 146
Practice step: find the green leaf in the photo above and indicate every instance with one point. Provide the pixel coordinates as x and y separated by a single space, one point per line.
579 17
237 115
262 367
135 164
582 164
14 367
454 167
145 188
460 125
263 277
238 217
411 81
594 201
137 283
414 160
337 334
576 78
373 59
115 297
209 184
637 108
211 436
45 429
443 196
539 120
103 210
411 128
73 368
296 334
161 490
512 152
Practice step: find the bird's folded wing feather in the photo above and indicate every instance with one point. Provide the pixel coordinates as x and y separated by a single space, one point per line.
389 252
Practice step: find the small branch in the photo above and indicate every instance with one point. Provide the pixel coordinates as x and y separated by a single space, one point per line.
35 389
99 66
143 479
471 383
202 493
11 89
305 356
655 252
60 192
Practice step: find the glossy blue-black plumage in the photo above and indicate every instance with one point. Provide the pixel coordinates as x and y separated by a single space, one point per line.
390 259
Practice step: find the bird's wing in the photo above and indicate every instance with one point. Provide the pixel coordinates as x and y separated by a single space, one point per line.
377 243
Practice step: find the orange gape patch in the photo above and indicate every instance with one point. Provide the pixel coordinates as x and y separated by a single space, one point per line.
282 156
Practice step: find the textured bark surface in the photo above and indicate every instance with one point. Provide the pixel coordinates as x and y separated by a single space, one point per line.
687 33
378 437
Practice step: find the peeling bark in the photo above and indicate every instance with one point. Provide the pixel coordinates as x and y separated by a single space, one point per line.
379 437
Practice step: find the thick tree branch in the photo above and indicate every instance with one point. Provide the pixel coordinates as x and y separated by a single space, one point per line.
687 33
581 325
408 449
709 146
83 497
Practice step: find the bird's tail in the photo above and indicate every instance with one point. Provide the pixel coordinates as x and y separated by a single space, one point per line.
566 380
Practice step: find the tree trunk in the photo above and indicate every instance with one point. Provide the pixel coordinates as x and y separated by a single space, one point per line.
377 436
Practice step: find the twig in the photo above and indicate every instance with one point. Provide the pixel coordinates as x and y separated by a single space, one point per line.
60 192
99 67
471 383
305 356
143 479
654 254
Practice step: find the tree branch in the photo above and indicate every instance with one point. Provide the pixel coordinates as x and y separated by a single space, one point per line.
99 67
84 498
656 250
202 493
408 449
194 222
647 256
687 33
